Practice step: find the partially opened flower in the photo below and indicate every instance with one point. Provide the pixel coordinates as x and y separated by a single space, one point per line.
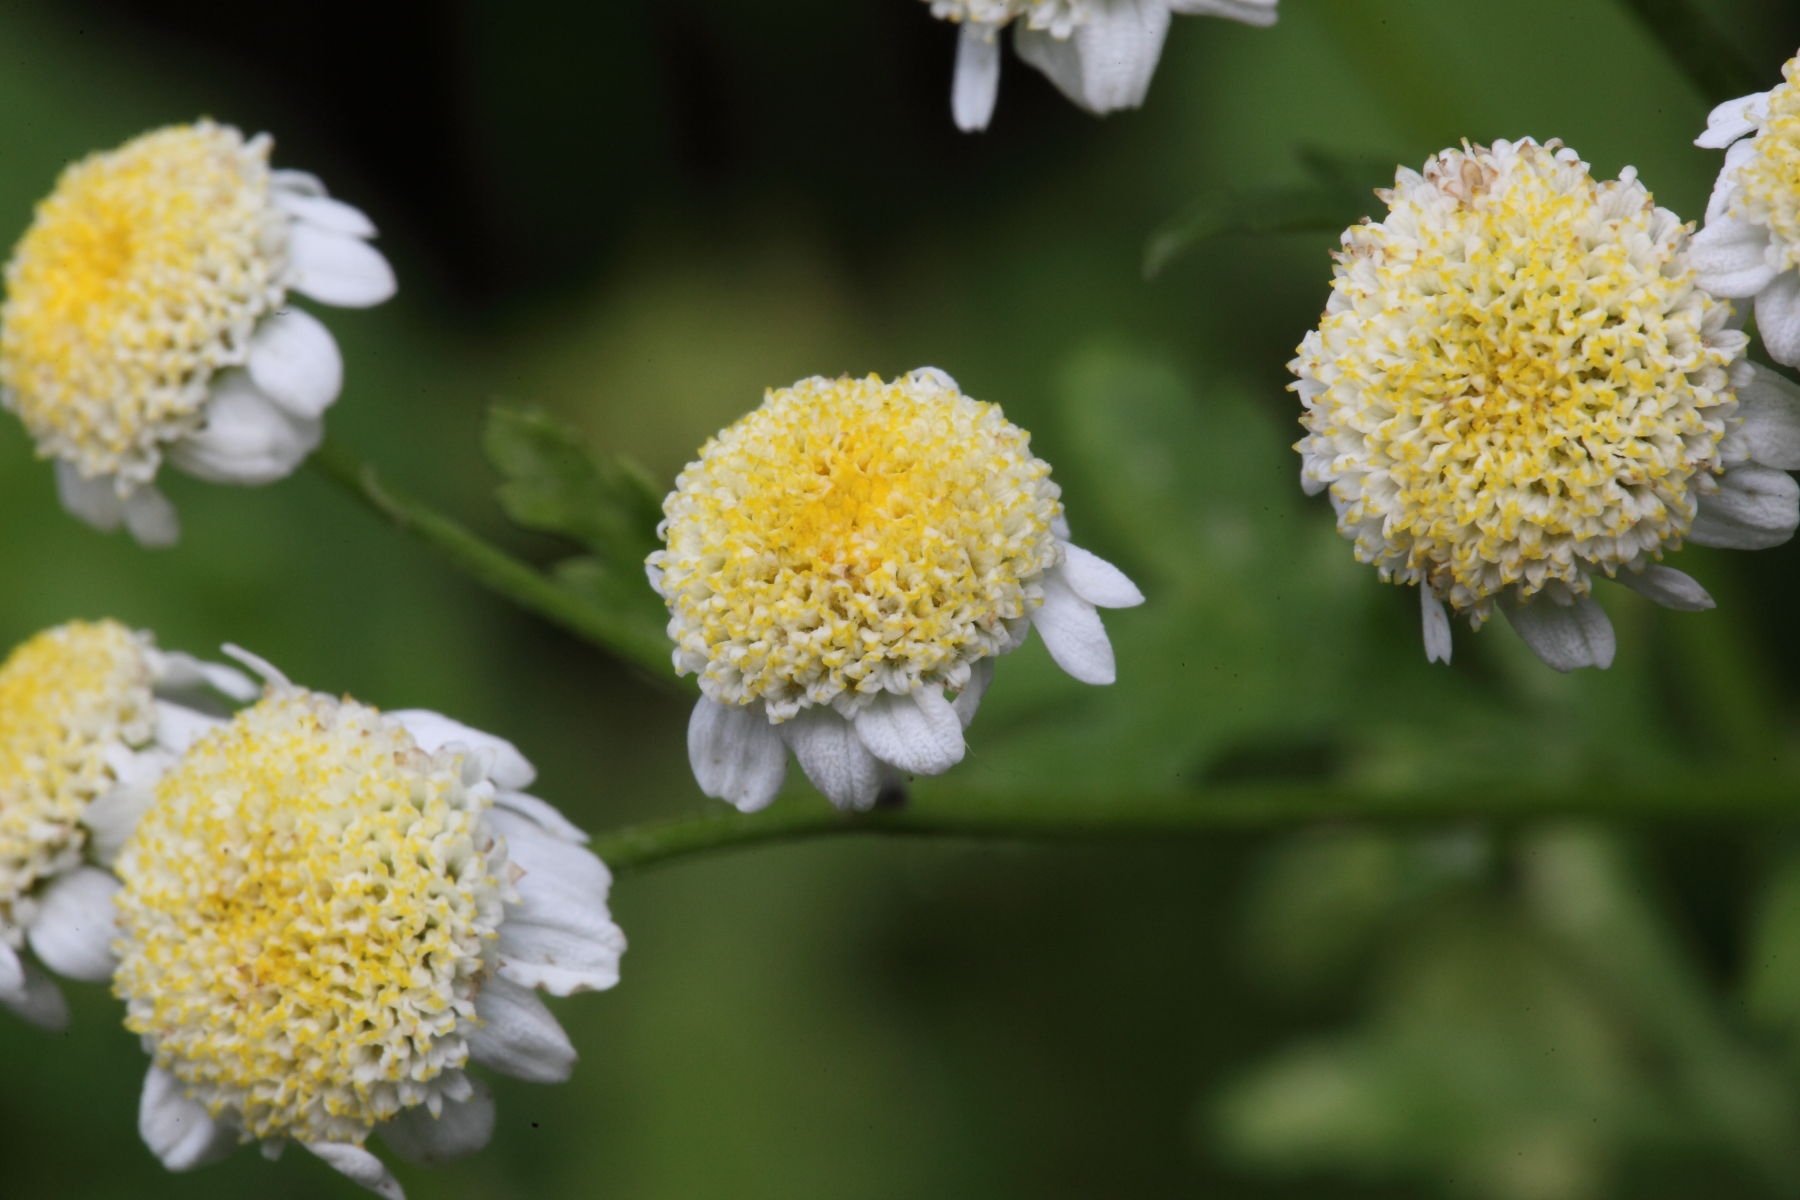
1100 53
843 561
1750 248
1517 388
147 316
328 913
88 714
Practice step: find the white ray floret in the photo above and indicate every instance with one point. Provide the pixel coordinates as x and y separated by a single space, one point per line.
90 713
1099 53
1518 387
328 913
842 567
147 318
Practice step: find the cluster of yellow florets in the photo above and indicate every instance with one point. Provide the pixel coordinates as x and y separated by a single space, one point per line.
1769 181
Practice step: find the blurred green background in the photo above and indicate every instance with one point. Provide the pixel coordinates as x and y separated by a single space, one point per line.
638 216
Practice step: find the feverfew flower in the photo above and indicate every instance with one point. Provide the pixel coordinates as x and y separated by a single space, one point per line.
840 559
146 316
88 713
1750 247
1517 386
1100 53
327 913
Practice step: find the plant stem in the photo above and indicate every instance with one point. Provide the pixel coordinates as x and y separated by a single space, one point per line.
1237 808
491 566
1714 66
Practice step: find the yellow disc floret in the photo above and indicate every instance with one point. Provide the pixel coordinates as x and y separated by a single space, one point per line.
143 273
309 908
66 697
852 536
1769 181
1516 379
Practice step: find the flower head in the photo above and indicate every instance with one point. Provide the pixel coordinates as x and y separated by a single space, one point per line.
1750 247
1517 386
146 318
327 913
1100 53
841 558
87 712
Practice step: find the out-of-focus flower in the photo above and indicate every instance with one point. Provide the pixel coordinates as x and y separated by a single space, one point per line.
1750 248
327 913
146 316
1100 53
89 714
844 556
1517 386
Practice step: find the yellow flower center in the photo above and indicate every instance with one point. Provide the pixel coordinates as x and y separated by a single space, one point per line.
142 274
307 913
1516 379
852 535
66 696
1769 181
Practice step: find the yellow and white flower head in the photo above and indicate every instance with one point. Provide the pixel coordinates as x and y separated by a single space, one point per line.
1750 247
89 713
328 913
1517 387
847 557
1099 53
147 317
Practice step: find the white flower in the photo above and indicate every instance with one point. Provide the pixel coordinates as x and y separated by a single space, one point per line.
1750 247
327 913
844 556
146 316
88 713
1517 386
1100 53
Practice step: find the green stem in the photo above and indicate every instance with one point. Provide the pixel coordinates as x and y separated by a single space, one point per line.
1714 66
491 566
1235 808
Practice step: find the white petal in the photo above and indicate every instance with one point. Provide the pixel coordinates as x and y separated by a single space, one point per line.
1250 12
114 814
543 814
1731 258
969 699
178 1130
560 935
95 500
461 1127
834 758
1073 634
976 83
518 1036
334 216
1098 581
297 183
1436 625
335 269
247 439
1769 403
359 1166
12 971
178 727
505 765
1778 318
1107 62
295 362
1565 636
178 672
37 999
919 732
1729 121
1755 508
74 929
1668 587
1725 187
736 754
151 518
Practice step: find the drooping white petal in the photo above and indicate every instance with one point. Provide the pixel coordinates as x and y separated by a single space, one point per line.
94 499
1668 587
295 362
333 268
1731 258
560 936
737 756
298 183
176 1129
151 518
503 762
37 999
1107 62
543 814
1729 121
1566 636
12 971
1250 12
1435 623
919 732
359 1166
247 439
334 216
834 758
1755 508
1096 580
1778 318
1072 632
73 931
1769 404
976 83
518 1036
981 673
461 1127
